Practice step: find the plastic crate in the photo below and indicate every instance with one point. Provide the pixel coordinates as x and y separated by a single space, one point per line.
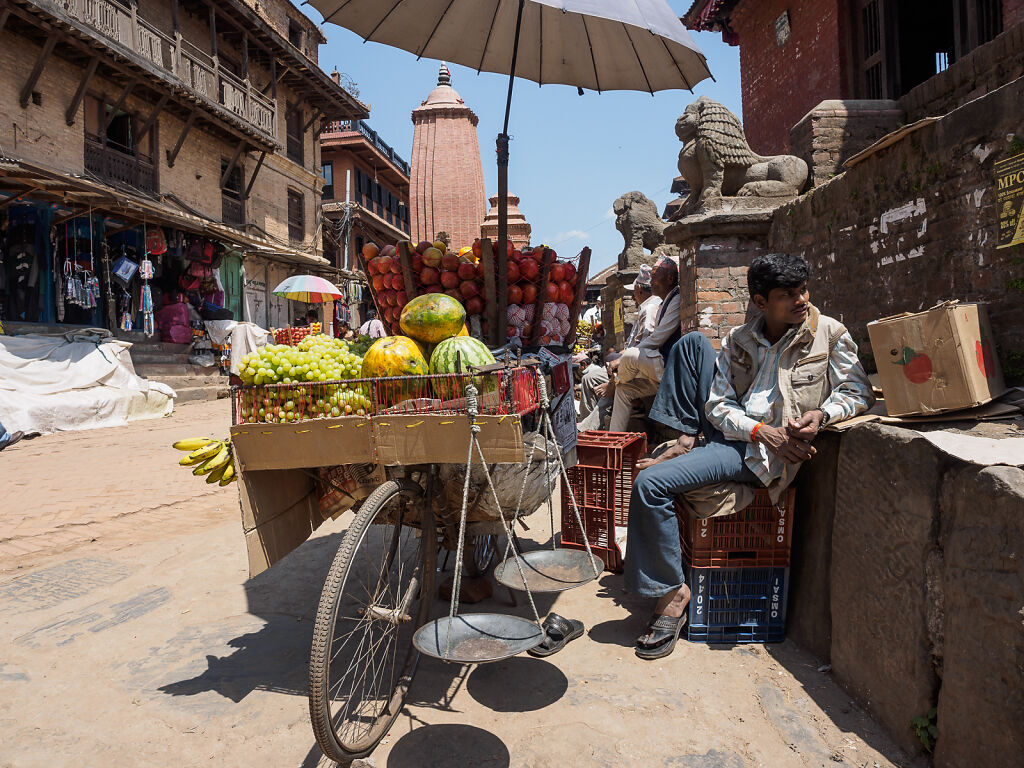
761 535
601 483
738 605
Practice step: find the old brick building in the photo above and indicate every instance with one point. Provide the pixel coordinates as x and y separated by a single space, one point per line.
447 174
519 228
797 53
360 168
198 118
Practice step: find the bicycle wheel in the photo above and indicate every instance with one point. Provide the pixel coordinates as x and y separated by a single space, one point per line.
378 592
479 554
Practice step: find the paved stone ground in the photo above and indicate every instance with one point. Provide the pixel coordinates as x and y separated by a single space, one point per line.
131 636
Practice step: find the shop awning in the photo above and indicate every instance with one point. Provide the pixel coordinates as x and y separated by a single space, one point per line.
73 196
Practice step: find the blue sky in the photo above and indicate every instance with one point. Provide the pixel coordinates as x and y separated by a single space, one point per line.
571 155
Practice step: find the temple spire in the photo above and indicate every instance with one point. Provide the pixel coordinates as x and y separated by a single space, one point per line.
444 75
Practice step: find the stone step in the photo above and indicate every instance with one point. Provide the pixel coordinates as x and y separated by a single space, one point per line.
171 368
193 394
157 357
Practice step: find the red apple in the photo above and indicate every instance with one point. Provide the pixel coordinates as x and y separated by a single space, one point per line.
478 248
551 292
450 279
566 294
538 254
454 293
370 251
450 261
432 257
422 246
515 294
469 288
570 273
474 306
417 262
557 273
513 272
529 294
529 270
466 271
430 276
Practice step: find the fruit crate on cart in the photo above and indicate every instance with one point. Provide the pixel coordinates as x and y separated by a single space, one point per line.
601 483
760 535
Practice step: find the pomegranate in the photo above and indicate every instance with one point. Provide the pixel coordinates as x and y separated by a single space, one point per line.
449 279
469 288
467 271
370 251
430 276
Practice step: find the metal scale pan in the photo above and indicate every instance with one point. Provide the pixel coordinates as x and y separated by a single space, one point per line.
549 570
477 637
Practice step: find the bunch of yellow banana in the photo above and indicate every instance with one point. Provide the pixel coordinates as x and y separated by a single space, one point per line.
213 458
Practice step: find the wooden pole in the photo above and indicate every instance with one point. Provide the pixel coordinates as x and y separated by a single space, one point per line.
405 259
542 295
577 301
491 290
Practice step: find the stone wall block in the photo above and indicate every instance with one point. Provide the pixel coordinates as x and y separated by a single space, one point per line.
981 701
885 516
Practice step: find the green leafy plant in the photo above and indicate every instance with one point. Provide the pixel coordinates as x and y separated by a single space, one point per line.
926 728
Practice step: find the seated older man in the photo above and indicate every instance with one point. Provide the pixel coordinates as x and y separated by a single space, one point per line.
777 381
639 369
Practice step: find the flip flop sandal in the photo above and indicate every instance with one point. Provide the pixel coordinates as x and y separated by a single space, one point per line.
663 632
557 632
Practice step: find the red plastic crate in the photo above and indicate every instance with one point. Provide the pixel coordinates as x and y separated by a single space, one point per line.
759 536
601 483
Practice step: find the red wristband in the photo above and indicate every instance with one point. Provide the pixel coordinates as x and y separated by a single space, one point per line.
753 432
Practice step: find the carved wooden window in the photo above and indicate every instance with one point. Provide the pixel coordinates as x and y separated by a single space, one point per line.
295 148
296 216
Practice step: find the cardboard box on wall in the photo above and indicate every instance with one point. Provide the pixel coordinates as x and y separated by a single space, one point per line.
939 360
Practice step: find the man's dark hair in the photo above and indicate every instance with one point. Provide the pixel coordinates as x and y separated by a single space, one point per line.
776 270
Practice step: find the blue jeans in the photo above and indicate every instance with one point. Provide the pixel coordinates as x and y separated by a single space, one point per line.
5 436
654 559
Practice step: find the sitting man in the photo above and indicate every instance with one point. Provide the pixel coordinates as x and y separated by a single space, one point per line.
596 388
639 369
777 381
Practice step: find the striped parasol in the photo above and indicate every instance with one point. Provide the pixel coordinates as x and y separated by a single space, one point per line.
308 288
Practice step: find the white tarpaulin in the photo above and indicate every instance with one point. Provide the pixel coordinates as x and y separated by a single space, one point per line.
79 380
244 337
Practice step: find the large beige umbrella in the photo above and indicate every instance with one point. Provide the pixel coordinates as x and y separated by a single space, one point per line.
604 45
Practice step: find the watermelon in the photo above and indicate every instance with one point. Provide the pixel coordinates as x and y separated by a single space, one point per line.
467 351
433 317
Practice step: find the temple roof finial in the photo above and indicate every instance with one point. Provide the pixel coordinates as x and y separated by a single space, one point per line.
444 75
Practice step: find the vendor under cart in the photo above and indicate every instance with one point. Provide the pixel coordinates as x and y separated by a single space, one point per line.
759 405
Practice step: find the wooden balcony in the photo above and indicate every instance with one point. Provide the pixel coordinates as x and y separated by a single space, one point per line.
119 168
172 58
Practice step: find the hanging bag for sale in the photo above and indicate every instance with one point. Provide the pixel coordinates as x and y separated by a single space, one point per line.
156 243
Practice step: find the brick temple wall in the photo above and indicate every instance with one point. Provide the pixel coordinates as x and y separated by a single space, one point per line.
915 224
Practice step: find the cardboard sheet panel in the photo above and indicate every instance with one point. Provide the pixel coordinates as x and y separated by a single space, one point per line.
279 512
445 439
316 443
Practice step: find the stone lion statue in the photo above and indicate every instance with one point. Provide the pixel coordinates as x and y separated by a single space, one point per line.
716 160
637 219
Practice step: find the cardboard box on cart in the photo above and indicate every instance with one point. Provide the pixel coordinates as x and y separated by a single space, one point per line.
942 359
277 466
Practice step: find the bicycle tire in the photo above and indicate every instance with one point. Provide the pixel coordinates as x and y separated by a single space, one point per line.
338 746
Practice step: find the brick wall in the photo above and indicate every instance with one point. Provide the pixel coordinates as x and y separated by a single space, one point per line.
915 224
713 284
835 130
782 83
1013 12
981 71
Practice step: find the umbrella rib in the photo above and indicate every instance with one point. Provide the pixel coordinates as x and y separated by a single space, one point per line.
490 31
383 19
336 11
638 59
434 30
678 69
597 80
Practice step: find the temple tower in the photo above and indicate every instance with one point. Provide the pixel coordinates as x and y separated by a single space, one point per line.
519 228
447 190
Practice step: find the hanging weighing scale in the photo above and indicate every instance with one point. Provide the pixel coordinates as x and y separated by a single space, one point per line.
483 637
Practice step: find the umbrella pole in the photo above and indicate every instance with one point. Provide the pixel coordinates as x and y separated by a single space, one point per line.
502 145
